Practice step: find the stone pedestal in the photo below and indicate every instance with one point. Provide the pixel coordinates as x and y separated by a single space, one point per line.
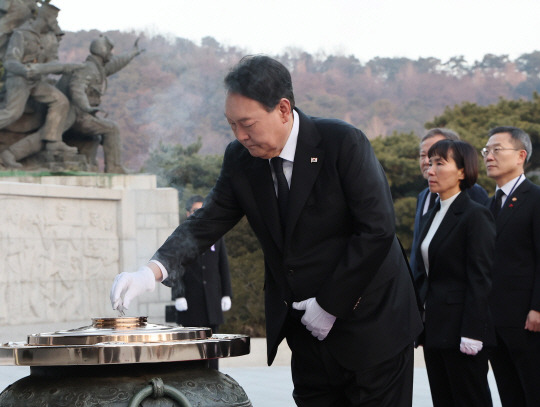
64 238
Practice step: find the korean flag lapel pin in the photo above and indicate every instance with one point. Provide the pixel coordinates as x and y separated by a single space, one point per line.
314 160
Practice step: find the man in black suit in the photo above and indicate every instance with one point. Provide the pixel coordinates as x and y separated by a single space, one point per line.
426 200
337 285
515 296
204 291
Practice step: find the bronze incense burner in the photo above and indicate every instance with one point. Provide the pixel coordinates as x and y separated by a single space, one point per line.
124 362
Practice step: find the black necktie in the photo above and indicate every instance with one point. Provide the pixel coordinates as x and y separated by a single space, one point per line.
282 189
497 203
432 198
437 206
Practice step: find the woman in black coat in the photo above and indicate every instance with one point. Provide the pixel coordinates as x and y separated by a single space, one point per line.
453 280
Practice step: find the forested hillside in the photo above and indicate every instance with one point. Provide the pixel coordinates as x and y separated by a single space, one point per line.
173 93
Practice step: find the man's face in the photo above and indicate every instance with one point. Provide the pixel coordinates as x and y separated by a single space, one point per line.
263 133
194 207
503 162
424 148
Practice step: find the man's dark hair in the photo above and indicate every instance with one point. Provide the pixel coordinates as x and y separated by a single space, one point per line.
520 139
464 155
440 131
191 200
261 78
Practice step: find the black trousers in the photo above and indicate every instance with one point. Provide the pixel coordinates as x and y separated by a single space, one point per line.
457 379
516 366
319 380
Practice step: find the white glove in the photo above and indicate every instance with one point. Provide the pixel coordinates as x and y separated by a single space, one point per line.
127 286
180 304
225 303
317 321
470 346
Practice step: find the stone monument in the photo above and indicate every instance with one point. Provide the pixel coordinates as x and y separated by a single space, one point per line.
63 237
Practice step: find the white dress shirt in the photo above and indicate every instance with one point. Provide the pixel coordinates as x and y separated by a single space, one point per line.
288 152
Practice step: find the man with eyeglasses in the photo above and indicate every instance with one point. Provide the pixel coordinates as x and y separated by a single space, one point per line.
515 297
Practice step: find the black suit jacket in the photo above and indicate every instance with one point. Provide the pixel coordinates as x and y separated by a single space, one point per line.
339 244
476 193
205 281
516 271
458 284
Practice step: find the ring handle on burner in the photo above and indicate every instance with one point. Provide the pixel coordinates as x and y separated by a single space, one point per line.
157 390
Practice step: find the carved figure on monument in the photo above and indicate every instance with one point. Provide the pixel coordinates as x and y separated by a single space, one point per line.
27 63
13 13
84 89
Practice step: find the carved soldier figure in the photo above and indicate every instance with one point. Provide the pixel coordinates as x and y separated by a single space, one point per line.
85 87
27 65
12 14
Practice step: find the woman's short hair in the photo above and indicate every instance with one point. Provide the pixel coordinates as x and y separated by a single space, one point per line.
464 155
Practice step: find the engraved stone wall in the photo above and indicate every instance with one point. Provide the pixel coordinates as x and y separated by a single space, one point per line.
63 239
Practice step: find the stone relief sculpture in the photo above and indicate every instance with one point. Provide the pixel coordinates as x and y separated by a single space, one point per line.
37 116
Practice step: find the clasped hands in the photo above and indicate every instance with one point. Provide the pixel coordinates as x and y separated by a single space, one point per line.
470 346
317 320
181 304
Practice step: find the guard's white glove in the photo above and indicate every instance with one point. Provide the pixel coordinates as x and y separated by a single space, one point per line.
317 321
225 303
470 346
127 286
180 304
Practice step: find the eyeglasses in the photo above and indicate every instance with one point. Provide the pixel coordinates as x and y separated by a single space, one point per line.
495 151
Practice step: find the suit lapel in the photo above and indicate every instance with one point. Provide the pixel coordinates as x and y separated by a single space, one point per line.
260 178
448 223
422 201
424 224
308 161
512 204
419 208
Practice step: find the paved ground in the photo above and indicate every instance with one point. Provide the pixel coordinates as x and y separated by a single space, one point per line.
265 386
272 386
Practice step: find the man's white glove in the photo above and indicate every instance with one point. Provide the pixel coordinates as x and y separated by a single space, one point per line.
127 286
317 321
470 346
180 304
225 303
